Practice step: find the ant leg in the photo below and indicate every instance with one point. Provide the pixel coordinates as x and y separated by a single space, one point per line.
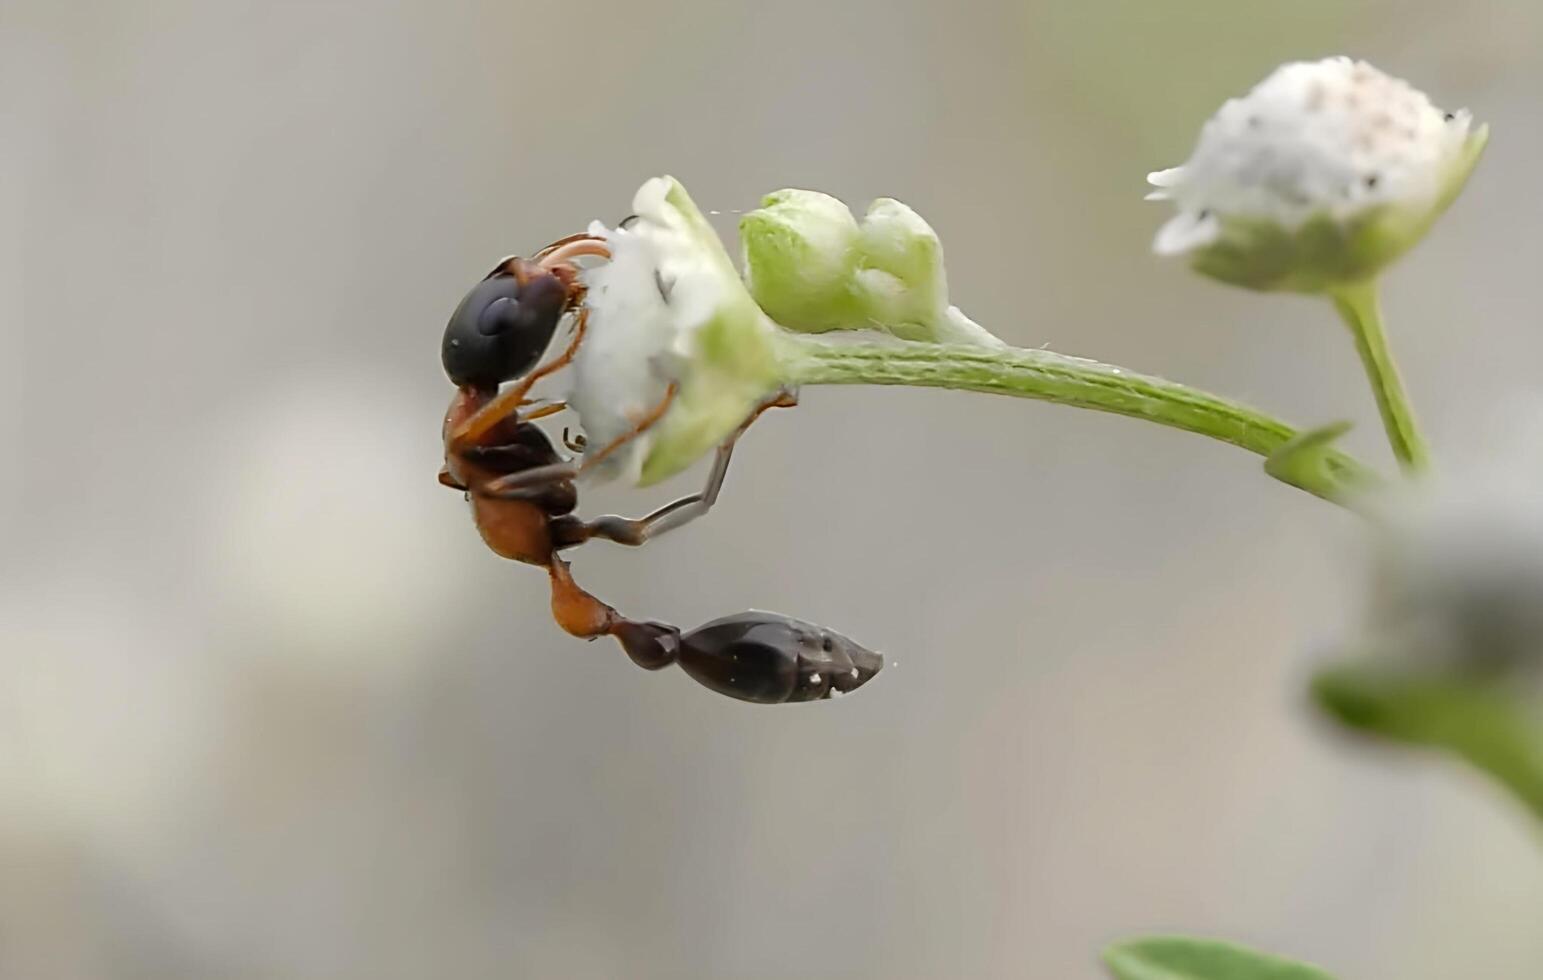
550 408
560 252
555 495
519 486
554 246
637 531
508 401
639 427
565 250
532 483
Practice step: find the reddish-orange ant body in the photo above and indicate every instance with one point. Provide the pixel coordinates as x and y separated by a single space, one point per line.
523 493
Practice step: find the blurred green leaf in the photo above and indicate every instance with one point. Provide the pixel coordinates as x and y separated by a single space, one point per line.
1184 958
1480 719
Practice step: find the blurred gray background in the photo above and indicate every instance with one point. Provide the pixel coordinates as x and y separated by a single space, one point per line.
268 709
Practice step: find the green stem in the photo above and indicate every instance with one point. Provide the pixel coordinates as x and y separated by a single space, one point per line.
1361 310
1074 381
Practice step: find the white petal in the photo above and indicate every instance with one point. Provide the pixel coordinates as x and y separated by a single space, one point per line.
1185 232
645 306
624 366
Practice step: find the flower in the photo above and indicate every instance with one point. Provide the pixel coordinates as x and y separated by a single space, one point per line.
1458 574
1451 654
814 268
1322 174
668 309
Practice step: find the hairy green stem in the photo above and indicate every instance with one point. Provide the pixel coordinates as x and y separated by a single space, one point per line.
1074 381
1359 306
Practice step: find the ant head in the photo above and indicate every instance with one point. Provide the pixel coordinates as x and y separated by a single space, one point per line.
503 325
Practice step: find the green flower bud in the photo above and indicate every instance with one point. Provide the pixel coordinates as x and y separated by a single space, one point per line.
801 252
901 282
1322 175
813 268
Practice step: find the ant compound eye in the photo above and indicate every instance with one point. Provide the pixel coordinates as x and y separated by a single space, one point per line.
501 329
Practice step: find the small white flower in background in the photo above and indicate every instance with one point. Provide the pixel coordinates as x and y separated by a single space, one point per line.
1450 654
1322 174
814 268
668 308
1457 561
1458 573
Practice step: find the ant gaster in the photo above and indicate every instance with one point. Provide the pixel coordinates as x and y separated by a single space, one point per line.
523 493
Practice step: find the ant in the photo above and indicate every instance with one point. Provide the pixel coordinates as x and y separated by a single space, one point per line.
523 493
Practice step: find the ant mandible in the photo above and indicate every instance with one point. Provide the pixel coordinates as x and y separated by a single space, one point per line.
523 493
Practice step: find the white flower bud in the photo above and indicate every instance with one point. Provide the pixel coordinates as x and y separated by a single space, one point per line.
1321 175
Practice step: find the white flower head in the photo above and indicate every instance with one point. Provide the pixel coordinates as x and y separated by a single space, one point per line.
667 310
1323 173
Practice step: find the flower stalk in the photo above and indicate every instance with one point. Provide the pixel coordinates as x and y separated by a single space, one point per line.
1361 308
1065 380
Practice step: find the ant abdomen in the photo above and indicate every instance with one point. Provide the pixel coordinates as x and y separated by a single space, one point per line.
768 658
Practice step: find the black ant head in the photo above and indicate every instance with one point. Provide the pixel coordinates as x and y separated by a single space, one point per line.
501 328
771 659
